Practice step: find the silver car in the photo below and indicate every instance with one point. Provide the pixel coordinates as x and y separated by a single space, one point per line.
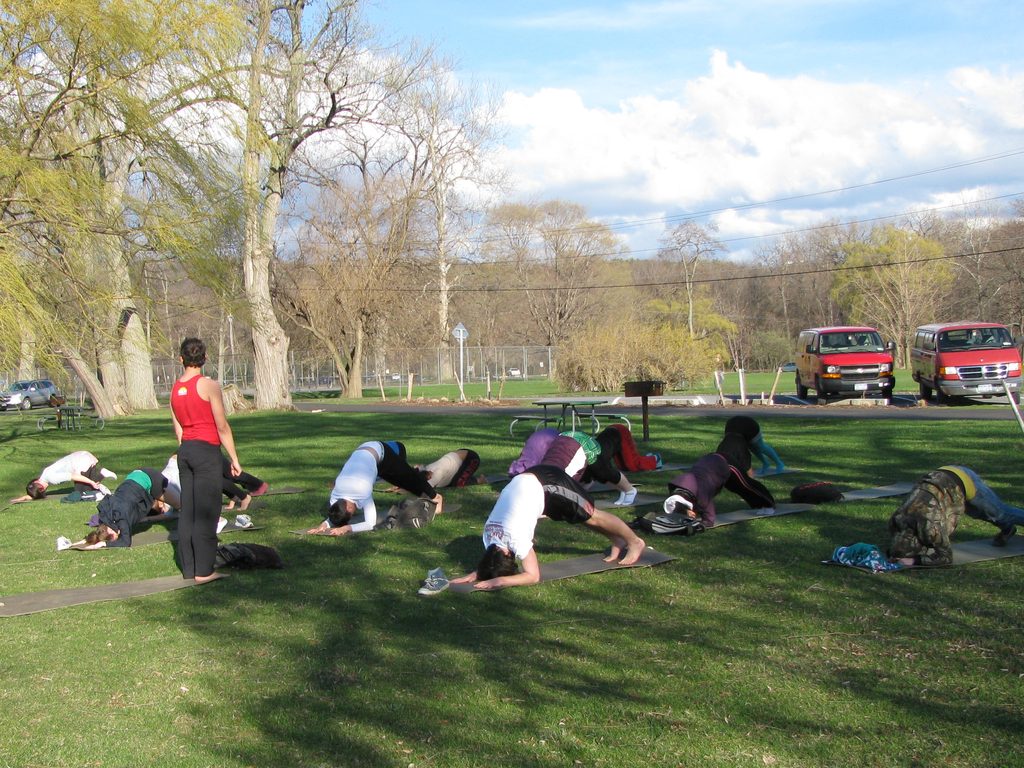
25 394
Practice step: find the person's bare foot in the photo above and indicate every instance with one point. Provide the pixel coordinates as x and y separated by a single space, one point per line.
229 506
212 577
245 503
615 551
636 548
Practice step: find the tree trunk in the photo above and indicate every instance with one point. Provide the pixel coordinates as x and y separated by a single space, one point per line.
101 401
138 366
270 343
354 388
27 358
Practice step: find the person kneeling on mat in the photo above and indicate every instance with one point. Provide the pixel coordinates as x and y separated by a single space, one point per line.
728 467
584 459
353 488
924 523
134 500
541 491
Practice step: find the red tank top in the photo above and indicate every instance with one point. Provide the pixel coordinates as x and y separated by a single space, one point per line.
193 413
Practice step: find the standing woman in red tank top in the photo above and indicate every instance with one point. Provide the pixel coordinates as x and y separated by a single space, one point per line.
197 407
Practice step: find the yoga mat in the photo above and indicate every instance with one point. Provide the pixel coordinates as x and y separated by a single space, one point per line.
283 490
964 553
742 515
605 488
683 467
444 510
159 535
578 566
35 602
881 492
641 500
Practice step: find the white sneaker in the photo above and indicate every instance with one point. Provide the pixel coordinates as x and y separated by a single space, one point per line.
101 491
221 523
243 521
106 473
63 542
626 498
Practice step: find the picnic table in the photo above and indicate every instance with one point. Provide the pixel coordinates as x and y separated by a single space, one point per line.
568 413
70 418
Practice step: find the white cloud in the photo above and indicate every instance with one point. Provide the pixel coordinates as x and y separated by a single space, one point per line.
736 136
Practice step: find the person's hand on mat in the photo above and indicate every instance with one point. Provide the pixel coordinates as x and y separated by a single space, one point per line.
468 578
21 499
341 530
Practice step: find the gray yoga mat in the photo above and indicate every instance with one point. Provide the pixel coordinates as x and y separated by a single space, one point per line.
641 500
446 509
742 515
770 473
881 492
35 602
158 534
578 566
284 489
964 553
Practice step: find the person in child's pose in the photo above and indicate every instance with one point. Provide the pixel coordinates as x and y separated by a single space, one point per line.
751 432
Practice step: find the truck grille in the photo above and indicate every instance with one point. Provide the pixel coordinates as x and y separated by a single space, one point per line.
982 372
859 372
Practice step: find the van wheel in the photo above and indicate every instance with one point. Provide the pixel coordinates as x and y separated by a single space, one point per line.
926 392
26 404
801 390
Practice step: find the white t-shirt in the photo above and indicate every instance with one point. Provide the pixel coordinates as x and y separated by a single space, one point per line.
442 471
172 493
60 471
513 520
355 483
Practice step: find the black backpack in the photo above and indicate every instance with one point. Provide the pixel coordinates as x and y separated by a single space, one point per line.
815 493
247 556
409 513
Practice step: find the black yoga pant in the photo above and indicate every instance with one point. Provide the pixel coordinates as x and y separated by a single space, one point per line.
199 467
230 484
394 468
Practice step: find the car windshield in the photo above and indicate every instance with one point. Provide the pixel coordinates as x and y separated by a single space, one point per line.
21 386
974 338
853 341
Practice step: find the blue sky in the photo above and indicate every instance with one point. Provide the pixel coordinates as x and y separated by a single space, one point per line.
647 110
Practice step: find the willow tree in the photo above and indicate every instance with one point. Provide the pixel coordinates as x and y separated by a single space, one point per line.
94 173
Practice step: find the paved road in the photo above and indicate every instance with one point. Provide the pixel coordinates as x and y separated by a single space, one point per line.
785 406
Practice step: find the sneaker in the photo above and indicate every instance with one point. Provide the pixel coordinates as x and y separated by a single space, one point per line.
435 583
626 498
63 542
261 490
243 521
102 491
107 474
658 463
1004 536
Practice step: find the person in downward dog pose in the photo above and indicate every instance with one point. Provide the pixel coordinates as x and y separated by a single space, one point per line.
353 487
541 491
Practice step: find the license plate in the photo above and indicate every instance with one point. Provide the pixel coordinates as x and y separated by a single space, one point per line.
985 388
860 387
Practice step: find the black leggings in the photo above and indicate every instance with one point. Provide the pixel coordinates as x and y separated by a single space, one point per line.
750 490
93 473
199 467
394 468
603 469
230 484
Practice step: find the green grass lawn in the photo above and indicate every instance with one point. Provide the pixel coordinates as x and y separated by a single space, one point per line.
744 651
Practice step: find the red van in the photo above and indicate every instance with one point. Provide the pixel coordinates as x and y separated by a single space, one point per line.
846 360
965 359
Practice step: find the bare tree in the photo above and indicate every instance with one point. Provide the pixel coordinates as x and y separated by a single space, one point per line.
688 244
